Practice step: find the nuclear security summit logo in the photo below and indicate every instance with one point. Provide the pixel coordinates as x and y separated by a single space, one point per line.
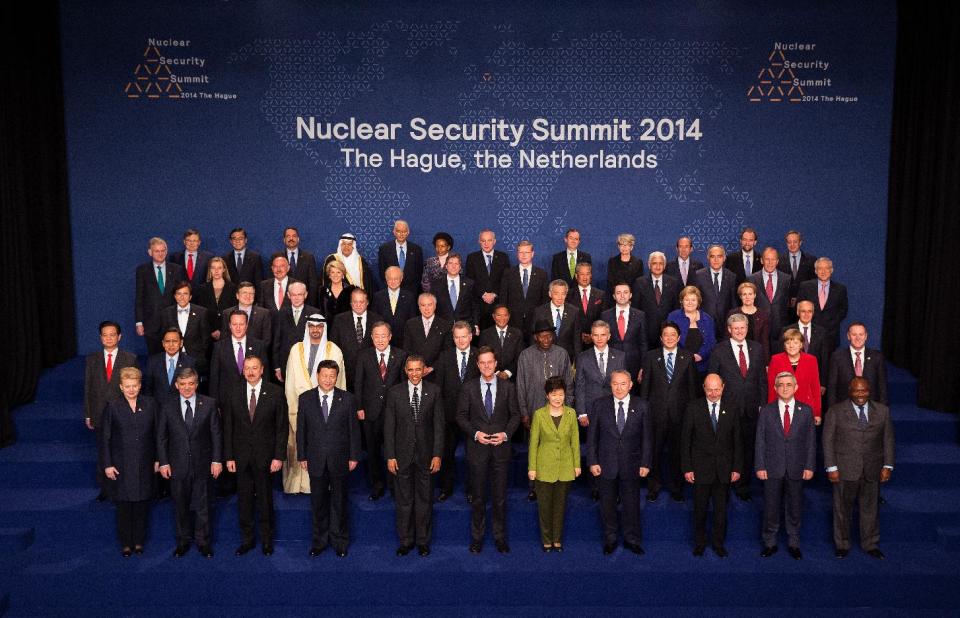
796 72
170 69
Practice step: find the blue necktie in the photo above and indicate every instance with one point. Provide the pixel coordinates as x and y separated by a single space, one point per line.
713 417
170 370
559 322
403 258
670 367
863 416
463 365
325 409
488 400
453 293
621 418
293 260
526 281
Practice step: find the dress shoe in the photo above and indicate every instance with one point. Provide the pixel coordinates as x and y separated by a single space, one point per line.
558 548
423 550
316 551
768 551
342 553
635 548
794 553
841 553
206 551
876 553
403 550
720 551
243 549
126 552
744 497
475 548
698 550
268 550
138 549
608 548
376 495
443 496
676 496
547 549
595 495
652 495
532 496
181 550
469 498
502 547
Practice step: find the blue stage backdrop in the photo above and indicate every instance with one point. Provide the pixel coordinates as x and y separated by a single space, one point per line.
656 118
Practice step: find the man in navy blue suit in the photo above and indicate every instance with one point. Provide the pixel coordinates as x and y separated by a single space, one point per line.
162 368
193 260
786 452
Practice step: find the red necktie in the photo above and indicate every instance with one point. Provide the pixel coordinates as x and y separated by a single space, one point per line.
786 419
743 362
383 368
858 366
109 365
279 295
622 326
190 266
769 288
584 301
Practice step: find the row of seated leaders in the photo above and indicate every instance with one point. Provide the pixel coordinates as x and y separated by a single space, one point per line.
680 374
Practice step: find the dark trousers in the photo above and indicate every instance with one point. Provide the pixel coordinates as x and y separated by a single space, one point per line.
628 490
373 434
448 466
786 494
702 494
253 486
193 493
748 433
132 522
551 507
486 465
845 494
666 434
328 502
413 492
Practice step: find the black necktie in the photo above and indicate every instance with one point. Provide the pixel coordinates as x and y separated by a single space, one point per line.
621 418
188 415
324 408
415 404
713 416
716 282
293 260
359 330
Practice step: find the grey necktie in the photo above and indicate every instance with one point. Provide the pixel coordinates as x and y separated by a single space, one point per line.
526 281
324 408
313 355
794 265
603 365
713 416
621 418
716 282
862 416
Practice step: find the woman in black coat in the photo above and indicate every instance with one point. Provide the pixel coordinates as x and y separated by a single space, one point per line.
128 450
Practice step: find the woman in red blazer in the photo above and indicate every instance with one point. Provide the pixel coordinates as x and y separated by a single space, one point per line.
802 365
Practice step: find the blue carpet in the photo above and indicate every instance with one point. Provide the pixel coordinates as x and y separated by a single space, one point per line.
59 556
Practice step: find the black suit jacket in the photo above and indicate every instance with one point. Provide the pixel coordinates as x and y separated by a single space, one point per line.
196 339
476 269
306 271
597 302
717 305
447 377
744 394
620 455
266 298
673 269
841 372
560 266
344 334
634 342
833 313
711 455
265 438
668 399
429 347
522 307
189 451
155 376
805 270
96 390
409 442
224 374
286 333
259 326
466 308
779 308
370 390
472 417
199 267
149 301
331 443
509 352
734 263
569 336
412 268
252 269
645 300
406 308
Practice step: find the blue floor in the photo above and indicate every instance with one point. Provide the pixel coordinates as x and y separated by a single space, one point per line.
59 555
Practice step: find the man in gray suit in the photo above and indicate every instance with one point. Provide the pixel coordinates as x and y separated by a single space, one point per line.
858 454
786 452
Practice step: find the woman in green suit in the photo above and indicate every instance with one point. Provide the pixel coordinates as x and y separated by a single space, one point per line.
554 460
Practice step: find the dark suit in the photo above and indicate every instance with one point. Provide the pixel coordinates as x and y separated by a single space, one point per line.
267 298
199 267
190 450
833 313
668 400
784 457
717 305
413 440
428 346
251 270
207 298
805 270
634 342
328 446
486 281
743 395
344 334
673 270
149 301
406 308
735 261
620 456
447 377
466 309
287 333
842 372
597 302
560 265
509 352
155 383
779 308
224 372
371 394
487 462
712 455
859 452
305 270
97 391
196 339
412 267
645 299
522 306
253 445
259 324
569 336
